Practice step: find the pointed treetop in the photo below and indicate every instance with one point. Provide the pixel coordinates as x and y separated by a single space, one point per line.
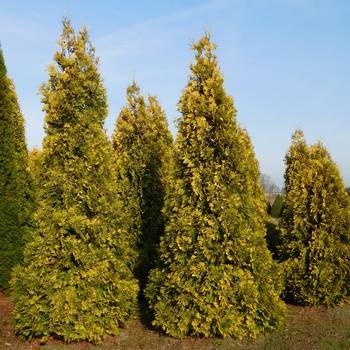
133 95
74 72
133 92
69 33
205 59
133 89
3 69
298 136
205 92
73 44
204 45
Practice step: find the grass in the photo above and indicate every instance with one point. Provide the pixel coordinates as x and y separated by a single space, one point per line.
305 329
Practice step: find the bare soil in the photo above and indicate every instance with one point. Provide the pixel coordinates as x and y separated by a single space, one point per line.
305 329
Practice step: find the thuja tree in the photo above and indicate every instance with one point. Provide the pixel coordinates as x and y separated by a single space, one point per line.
142 143
216 276
16 190
315 227
74 282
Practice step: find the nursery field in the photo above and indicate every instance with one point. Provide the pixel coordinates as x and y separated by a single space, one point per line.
184 229
305 329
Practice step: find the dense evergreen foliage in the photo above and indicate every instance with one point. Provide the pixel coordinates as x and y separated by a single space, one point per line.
216 276
16 190
35 167
142 142
86 222
74 282
315 226
277 206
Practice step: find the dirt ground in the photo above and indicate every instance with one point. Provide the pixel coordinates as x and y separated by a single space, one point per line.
305 329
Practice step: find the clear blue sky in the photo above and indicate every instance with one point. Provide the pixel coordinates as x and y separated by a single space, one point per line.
286 62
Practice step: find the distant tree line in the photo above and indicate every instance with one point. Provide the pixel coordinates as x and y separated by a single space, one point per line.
268 184
91 229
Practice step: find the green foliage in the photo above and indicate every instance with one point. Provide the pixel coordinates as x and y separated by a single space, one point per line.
216 276
35 166
74 282
315 227
273 237
277 207
268 207
142 143
16 190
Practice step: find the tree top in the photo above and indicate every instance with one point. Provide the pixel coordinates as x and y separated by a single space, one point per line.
204 46
298 136
3 69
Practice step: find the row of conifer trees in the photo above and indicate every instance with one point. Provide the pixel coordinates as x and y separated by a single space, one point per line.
89 226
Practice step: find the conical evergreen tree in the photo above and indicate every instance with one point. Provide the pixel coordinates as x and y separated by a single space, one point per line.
142 142
315 227
216 276
74 283
16 200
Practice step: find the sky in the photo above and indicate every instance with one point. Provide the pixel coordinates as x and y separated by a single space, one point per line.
285 62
